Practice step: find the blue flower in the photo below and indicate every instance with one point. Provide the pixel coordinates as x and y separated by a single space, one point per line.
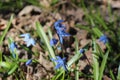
53 42
60 62
61 35
103 39
28 62
81 50
12 48
26 36
30 42
28 39
58 25
61 30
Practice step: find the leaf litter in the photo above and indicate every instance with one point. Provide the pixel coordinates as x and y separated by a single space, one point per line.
24 22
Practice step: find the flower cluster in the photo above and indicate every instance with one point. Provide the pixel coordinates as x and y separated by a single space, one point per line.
28 39
13 47
61 30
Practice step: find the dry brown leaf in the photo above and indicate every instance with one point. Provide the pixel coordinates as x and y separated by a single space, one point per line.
106 78
113 3
3 24
45 62
78 14
45 3
28 9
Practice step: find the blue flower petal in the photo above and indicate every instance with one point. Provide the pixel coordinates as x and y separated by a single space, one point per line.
60 62
53 42
28 39
60 29
57 23
30 42
28 62
58 66
61 39
103 39
26 36
81 50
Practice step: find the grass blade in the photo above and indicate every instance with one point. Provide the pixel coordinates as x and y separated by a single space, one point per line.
104 61
6 30
95 67
42 34
118 76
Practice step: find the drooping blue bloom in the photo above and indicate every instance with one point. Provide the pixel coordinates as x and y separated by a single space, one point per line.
103 39
61 35
28 39
81 50
26 36
28 62
60 62
12 48
53 42
61 30
58 25
30 42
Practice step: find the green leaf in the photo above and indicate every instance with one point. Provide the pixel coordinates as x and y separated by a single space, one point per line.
112 75
101 21
103 64
6 30
0 56
76 63
5 65
43 36
15 66
54 2
95 67
118 75
97 32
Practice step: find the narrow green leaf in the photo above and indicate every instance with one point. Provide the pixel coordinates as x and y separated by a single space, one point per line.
5 64
6 30
95 61
112 75
77 68
97 31
74 59
104 61
49 33
13 69
0 56
118 75
95 67
63 76
42 34
101 21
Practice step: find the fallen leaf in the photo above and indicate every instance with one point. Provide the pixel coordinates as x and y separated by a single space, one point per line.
3 24
28 10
